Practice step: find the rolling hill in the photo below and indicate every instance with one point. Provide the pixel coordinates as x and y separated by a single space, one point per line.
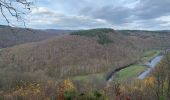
10 36
101 50
148 39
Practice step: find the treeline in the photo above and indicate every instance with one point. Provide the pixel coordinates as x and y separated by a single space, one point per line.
162 75
51 90
151 88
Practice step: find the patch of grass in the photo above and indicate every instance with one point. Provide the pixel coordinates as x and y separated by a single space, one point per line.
130 72
133 71
148 55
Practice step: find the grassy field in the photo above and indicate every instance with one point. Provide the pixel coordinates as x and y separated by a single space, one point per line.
130 72
148 55
133 71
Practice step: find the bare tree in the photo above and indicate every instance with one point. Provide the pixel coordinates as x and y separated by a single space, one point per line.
15 8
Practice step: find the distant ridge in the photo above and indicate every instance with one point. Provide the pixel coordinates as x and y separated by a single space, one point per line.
4 26
10 36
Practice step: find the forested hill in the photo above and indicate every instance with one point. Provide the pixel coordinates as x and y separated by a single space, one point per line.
10 36
148 39
82 52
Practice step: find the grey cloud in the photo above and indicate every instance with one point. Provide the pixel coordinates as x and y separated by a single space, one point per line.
146 10
150 24
116 15
84 14
149 9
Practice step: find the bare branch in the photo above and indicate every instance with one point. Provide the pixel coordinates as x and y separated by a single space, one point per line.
9 7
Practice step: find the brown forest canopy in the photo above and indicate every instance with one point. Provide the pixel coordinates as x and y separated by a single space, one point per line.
71 55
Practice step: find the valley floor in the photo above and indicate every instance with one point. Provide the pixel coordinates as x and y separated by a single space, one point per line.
127 74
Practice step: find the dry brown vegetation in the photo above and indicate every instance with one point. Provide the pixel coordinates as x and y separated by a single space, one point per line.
10 36
69 55
36 70
148 39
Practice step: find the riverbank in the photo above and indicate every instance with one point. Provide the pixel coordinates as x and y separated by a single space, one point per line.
134 70
130 73
152 64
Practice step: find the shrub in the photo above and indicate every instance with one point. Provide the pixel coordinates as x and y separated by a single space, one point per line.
69 95
97 94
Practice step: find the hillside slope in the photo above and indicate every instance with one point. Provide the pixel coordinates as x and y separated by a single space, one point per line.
148 39
71 55
10 36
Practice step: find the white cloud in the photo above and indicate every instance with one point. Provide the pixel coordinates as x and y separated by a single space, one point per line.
40 10
164 18
41 17
133 4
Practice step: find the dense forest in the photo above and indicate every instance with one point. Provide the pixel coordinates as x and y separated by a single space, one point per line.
70 55
76 67
84 50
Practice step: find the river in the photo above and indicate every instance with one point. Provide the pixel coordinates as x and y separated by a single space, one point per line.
152 64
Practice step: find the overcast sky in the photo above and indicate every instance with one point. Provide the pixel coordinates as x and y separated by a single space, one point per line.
84 14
